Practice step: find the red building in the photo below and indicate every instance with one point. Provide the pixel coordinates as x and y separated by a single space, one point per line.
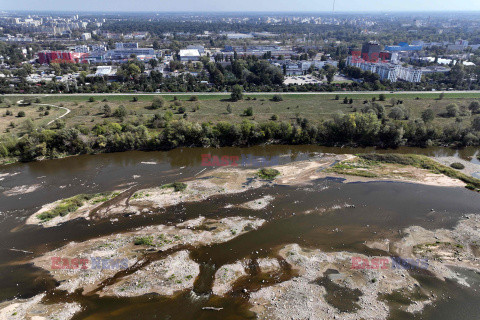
45 57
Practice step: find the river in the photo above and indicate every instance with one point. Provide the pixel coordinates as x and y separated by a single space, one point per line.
382 208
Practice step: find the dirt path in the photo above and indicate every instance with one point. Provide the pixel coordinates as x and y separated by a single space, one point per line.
54 106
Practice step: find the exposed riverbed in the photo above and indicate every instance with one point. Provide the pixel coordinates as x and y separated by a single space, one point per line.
232 245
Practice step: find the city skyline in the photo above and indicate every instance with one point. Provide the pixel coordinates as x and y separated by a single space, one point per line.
244 6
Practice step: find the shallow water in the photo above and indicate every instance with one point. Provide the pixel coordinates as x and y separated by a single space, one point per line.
355 212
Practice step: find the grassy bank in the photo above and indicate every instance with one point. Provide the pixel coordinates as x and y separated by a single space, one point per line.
422 162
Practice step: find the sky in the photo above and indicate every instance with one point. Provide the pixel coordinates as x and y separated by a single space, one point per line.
241 5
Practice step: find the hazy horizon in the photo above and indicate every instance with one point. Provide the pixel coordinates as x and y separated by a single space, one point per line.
246 6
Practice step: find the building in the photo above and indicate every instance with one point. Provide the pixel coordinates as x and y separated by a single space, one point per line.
189 55
86 36
200 48
370 50
459 45
387 71
403 46
82 49
124 51
46 57
258 51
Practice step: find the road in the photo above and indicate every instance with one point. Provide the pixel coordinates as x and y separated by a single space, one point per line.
248 93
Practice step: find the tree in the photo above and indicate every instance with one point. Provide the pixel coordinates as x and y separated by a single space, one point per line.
396 113
248 112
442 95
120 112
237 93
107 111
91 99
474 107
382 97
428 115
476 123
453 110
21 114
229 108
181 110
277 98
345 100
158 103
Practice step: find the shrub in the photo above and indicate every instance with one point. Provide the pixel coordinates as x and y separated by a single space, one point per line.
181 110
91 99
248 112
382 97
277 98
21 114
177 186
274 117
158 103
66 206
457 165
144 241
229 108
453 110
268 173
194 98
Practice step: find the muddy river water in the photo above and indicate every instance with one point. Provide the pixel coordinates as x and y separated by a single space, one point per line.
367 211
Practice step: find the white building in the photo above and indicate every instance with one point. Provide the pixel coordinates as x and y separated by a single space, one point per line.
387 71
189 55
86 36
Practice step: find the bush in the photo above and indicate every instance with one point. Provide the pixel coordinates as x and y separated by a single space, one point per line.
158 103
66 206
274 117
21 114
382 97
277 98
453 110
248 112
177 186
120 112
194 98
144 241
268 173
91 99
229 108
457 165
181 110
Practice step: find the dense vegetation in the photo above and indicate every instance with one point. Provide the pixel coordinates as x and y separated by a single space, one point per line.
375 122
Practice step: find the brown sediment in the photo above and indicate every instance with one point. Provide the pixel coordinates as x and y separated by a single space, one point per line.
34 309
309 295
141 248
443 248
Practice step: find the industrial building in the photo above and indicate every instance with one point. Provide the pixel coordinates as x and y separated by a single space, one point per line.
189 55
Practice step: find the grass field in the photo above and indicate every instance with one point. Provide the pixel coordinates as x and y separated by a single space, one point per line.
213 107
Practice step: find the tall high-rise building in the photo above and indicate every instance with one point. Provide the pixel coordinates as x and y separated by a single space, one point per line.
370 51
